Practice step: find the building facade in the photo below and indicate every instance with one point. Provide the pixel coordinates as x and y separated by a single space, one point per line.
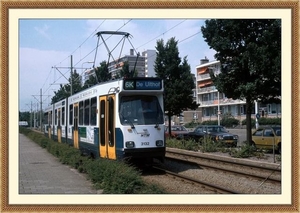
213 102
136 62
142 63
150 57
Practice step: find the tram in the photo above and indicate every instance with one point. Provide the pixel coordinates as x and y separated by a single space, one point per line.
119 119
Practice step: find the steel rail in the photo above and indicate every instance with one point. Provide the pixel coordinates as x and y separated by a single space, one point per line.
214 187
265 178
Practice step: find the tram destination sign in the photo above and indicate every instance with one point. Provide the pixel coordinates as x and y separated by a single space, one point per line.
143 84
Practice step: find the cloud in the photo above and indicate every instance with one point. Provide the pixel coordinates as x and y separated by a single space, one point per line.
43 31
36 73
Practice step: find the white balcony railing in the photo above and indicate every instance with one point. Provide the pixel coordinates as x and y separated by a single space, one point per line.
225 101
206 89
203 76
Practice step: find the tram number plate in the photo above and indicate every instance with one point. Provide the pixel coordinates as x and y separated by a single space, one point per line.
145 143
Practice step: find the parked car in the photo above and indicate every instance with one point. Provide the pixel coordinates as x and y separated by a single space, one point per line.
177 131
267 137
215 132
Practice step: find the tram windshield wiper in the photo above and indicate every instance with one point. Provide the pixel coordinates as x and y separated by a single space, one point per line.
127 119
157 120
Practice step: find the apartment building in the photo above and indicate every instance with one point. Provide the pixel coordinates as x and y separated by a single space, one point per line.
150 57
142 63
212 101
135 61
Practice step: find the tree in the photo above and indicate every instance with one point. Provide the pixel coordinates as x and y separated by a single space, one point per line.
101 75
177 77
24 116
249 51
65 90
125 72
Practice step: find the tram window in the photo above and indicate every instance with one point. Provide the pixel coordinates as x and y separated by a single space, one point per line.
63 116
58 118
140 110
50 118
93 111
111 121
102 123
46 118
71 114
87 112
55 117
81 113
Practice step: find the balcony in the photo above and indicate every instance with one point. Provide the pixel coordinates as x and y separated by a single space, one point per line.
206 89
203 76
225 101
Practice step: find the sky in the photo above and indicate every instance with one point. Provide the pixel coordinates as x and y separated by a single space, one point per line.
46 46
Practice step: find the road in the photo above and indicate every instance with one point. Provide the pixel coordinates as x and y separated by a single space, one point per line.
242 133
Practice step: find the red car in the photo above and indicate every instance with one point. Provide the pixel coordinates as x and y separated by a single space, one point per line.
177 131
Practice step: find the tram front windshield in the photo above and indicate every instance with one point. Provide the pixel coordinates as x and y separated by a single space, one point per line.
140 110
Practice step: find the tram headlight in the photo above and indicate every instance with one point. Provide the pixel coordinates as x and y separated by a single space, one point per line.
129 144
159 143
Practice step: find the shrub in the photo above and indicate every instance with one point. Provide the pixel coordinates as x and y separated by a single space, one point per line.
252 122
229 122
102 173
208 145
24 130
210 122
182 144
269 121
244 152
191 124
264 121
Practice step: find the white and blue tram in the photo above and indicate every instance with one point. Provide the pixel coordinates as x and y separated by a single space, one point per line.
120 119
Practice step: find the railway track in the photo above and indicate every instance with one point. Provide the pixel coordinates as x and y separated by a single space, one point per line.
186 172
212 187
260 171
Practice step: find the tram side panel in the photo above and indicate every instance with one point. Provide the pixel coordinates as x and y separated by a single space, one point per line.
87 123
82 122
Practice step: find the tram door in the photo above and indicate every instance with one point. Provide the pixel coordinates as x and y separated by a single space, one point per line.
107 127
75 133
59 125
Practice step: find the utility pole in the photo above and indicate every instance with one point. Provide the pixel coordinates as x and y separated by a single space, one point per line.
34 118
31 114
71 75
257 115
41 107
